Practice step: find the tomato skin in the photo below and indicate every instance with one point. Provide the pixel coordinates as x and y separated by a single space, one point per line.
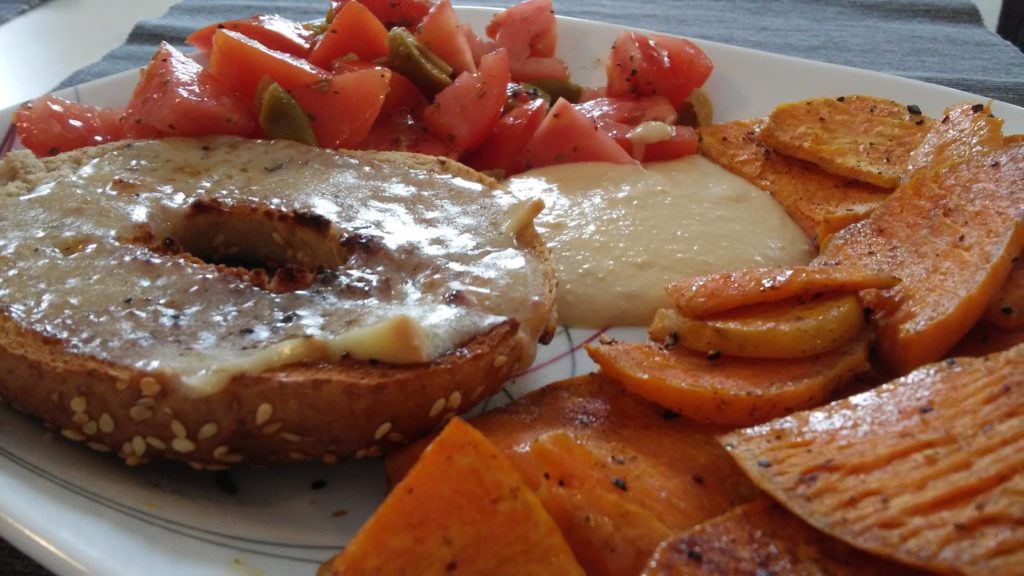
271 30
683 142
566 135
354 30
503 148
442 33
342 109
616 117
464 113
240 62
657 65
391 13
50 125
175 96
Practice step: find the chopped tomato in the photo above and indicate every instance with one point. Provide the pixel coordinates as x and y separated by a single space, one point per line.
354 30
271 30
407 13
682 143
478 46
441 32
656 65
175 96
566 135
240 62
342 109
50 125
616 117
503 148
526 29
403 96
464 113
406 133
529 69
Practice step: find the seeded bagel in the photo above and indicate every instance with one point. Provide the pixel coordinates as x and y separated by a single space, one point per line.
340 395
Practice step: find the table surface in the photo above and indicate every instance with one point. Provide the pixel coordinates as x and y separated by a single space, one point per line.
917 44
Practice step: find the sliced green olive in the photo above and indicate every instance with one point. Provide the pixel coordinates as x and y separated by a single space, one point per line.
281 117
520 93
556 89
414 61
697 110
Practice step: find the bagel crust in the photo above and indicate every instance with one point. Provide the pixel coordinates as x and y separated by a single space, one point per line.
311 408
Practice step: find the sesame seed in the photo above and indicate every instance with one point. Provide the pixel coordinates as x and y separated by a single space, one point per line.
133 460
374 451
329 458
437 407
183 445
197 465
454 400
395 436
91 427
80 418
138 445
139 413
263 413
122 383
149 386
79 404
208 430
290 437
178 429
296 455
126 448
216 467
360 454
500 361
106 423
72 434
232 458
98 446
221 451
273 427
156 443
382 431
146 402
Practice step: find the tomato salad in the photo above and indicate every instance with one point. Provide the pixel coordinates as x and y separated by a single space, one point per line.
402 75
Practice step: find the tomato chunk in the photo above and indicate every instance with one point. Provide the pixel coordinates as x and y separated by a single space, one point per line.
342 109
464 113
526 29
240 62
393 13
354 30
682 143
503 148
403 96
442 33
50 125
616 117
271 30
406 133
657 65
567 135
176 97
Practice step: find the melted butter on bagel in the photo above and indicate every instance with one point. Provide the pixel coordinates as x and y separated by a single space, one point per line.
152 256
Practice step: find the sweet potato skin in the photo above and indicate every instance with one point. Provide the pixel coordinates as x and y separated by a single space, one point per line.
861 137
729 391
763 538
951 234
925 470
819 202
462 509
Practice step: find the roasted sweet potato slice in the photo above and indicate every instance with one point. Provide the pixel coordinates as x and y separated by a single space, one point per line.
764 538
950 234
463 509
727 390
963 131
703 296
926 470
861 137
618 473
1007 309
985 339
786 329
819 202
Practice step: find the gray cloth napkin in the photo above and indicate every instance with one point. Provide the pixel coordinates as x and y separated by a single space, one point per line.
939 41
11 8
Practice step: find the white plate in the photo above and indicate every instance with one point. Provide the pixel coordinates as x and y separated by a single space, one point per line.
78 512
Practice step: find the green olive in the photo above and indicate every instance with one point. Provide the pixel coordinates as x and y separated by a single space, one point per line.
281 117
414 61
556 89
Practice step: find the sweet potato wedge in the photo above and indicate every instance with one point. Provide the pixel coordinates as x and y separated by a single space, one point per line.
1007 309
964 130
861 137
951 234
985 339
819 202
786 329
925 470
463 509
729 391
762 537
703 296
617 472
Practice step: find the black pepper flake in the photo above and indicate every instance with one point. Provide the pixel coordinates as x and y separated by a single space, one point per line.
318 485
669 415
960 526
618 460
919 122
950 361
288 318
694 554
977 108
620 484
225 482
274 168
764 463
1006 310
914 109
128 300
451 566
841 99
925 409
714 355
698 479
246 331
868 314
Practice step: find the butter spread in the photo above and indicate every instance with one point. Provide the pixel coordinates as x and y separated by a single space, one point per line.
118 260
619 234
